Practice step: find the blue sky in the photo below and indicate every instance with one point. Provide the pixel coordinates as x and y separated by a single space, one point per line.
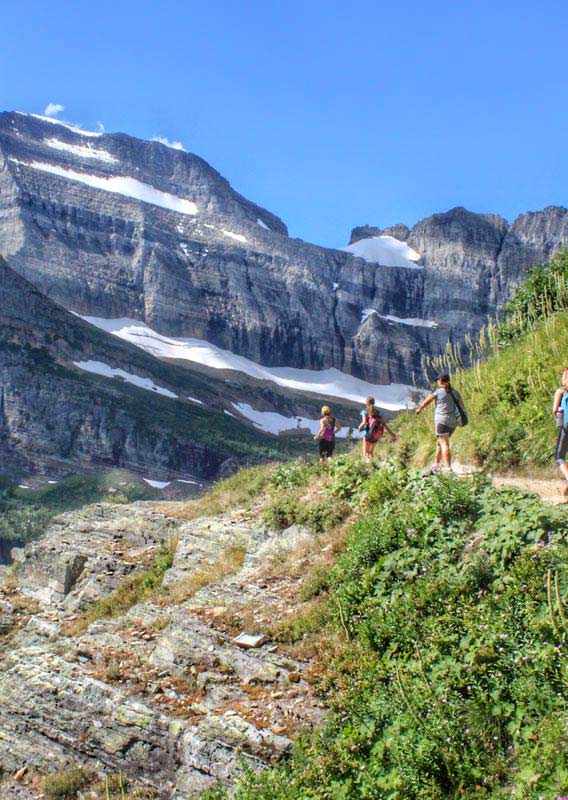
327 113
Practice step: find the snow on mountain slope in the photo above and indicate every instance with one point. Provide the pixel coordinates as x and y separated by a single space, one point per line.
99 368
83 151
128 187
414 322
385 250
328 382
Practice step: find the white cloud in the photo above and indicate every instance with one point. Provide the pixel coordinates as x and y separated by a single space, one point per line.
53 109
164 140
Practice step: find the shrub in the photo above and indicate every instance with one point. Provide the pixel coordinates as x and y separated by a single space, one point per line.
65 784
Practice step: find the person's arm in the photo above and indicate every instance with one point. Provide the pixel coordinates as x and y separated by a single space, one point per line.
319 433
364 423
559 394
426 402
337 426
390 432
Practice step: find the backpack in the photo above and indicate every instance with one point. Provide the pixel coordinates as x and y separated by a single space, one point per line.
328 434
375 427
461 416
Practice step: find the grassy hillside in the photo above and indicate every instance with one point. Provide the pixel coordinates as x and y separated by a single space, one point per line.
441 631
509 402
508 391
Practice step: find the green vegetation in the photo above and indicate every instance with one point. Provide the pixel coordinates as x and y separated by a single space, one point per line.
24 513
133 590
450 597
65 784
508 391
335 490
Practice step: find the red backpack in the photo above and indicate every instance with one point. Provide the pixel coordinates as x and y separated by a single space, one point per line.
328 434
375 427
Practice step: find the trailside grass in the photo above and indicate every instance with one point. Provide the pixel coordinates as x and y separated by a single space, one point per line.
508 397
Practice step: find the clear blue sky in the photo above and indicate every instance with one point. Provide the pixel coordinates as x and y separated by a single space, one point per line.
327 113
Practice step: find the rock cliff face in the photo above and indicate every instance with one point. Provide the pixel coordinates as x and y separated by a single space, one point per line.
161 693
55 416
112 226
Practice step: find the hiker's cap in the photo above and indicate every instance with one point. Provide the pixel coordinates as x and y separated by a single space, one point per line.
443 377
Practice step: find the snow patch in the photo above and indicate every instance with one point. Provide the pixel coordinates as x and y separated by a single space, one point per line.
263 224
272 422
414 321
123 185
238 237
74 128
99 368
385 250
81 150
335 287
184 247
328 382
195 400
181 480
156 484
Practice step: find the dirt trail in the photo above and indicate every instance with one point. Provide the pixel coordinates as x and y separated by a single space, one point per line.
548 489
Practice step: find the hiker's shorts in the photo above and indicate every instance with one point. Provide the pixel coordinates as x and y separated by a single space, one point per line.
326 447
444 430
561 446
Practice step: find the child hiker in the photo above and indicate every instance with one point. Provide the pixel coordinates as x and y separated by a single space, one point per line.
329 426
373 427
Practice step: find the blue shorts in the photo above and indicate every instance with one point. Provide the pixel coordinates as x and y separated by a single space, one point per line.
444 430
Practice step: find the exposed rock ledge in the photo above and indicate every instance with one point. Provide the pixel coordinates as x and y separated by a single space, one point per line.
162 693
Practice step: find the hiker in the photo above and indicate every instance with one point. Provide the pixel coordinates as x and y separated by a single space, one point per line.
448 415
329 426
560 411
373 427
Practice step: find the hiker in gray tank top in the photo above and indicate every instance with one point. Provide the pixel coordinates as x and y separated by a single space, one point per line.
449 410
446 412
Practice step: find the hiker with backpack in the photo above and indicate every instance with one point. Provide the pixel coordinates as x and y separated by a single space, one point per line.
560 411
373 426
449 413
329 426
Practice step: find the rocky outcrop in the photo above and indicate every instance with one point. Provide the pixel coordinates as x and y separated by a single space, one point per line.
162 693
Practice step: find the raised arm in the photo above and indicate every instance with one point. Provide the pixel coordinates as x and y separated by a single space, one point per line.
319 433
426 402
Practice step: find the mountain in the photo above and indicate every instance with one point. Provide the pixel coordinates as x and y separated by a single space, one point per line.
73 396
111 226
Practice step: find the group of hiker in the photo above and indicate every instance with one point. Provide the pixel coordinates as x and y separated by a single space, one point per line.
449 413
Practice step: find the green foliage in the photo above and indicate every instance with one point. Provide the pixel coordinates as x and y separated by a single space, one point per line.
133 590
65 784
25 513
516 365
454 680
543 292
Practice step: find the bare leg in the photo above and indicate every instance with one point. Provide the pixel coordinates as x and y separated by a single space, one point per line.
444 442
438 459
564 470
